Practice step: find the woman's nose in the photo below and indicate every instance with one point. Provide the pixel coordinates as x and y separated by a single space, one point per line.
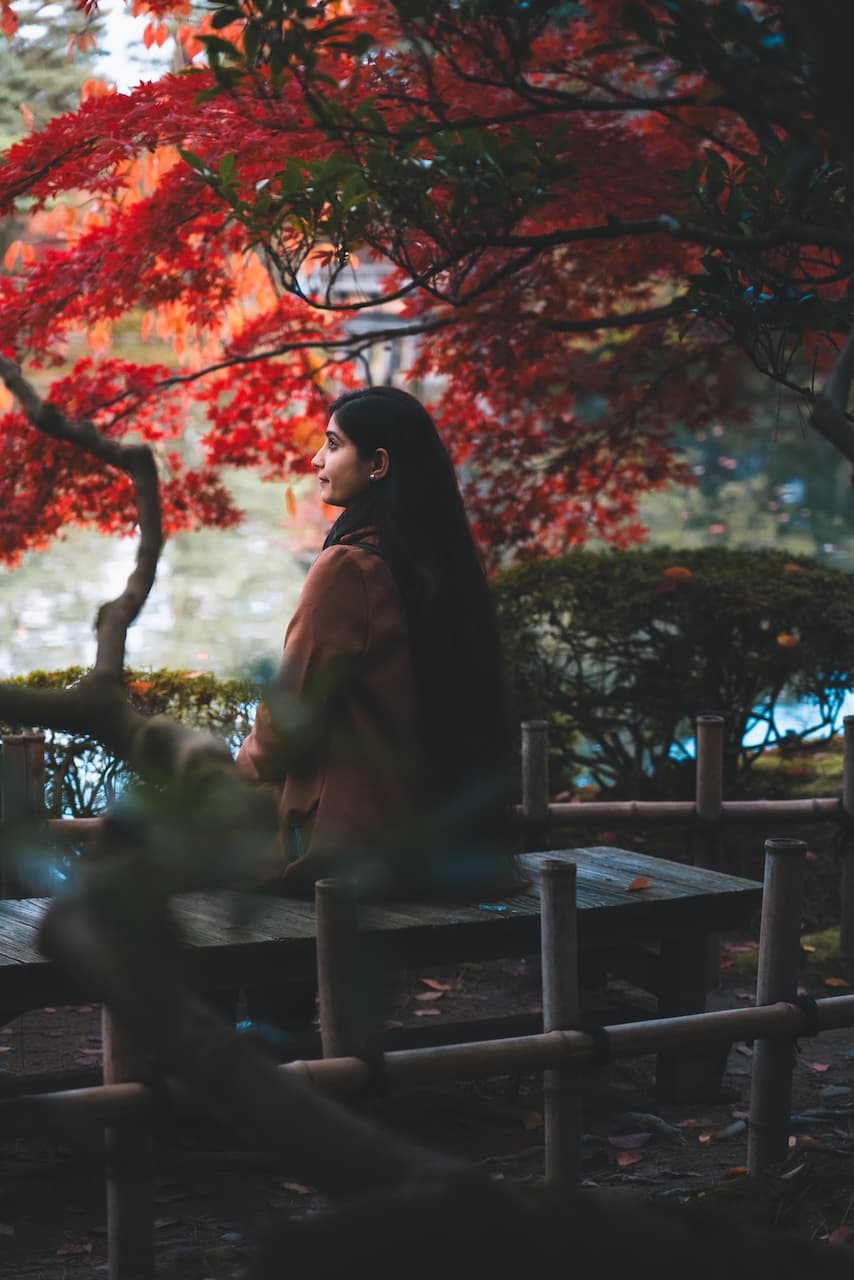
317 460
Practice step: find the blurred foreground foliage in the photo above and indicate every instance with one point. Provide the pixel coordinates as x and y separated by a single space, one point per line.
82 778
621 650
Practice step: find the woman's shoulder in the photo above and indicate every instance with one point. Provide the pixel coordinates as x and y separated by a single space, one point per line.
351 556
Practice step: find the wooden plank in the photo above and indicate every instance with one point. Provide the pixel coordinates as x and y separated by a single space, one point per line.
33 910
19 942
603 860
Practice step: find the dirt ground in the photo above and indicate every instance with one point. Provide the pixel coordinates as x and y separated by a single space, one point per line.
212 1196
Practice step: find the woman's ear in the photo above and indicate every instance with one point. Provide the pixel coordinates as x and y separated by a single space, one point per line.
379 467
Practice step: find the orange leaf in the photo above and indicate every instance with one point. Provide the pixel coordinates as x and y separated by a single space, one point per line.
639 882
436 986
677 572
835 982
533 1120
290 502
93 89
735 1171
10 257
625 1158
140 686
787 641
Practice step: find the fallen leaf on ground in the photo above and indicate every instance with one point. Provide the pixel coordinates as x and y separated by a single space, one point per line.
842 1238
70 1249
422 1013
300 1188
798 1141
732 1130
630 1141
736 1171
835 982
687 1124
435 984
48 1010
639 882
625 1158
744 995
5 1048
818 1066
429 995
533 1120
806 946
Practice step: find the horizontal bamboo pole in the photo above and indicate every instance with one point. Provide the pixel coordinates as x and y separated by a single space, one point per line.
655 811
617 811
407 1068
74 828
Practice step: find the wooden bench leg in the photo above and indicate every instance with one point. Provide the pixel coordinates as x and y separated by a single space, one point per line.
130 1194
690 1074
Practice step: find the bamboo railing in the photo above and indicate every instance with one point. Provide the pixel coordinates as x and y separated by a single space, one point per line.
127 1109
708 811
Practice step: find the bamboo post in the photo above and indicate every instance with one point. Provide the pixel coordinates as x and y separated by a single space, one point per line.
130 1192
559 945
846 885
779 957
335 918
709 788
22 795
709 801
535 784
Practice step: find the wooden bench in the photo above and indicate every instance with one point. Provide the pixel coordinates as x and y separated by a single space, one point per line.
657 936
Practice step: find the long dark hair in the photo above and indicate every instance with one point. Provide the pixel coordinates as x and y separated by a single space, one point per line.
418 514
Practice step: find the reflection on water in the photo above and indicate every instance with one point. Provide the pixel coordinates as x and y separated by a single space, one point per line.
221 602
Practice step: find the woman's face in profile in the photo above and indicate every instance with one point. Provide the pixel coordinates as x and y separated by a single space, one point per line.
341 473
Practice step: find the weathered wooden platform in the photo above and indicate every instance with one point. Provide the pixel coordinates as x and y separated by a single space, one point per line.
236 938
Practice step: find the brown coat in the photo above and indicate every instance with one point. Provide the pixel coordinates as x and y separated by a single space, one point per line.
336 734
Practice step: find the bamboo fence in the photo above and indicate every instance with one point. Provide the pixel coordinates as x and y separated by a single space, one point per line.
561 1052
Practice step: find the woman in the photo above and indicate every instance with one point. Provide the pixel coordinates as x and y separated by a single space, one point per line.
384 728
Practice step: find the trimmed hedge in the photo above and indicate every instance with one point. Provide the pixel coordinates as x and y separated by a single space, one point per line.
621 650
81 778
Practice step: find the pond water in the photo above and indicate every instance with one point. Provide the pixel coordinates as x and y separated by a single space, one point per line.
221 602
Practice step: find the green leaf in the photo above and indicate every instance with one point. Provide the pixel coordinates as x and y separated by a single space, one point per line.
194 161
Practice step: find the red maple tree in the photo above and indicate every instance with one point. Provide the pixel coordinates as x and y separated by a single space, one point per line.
583 213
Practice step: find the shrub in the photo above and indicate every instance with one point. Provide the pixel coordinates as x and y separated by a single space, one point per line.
621 650
81 777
